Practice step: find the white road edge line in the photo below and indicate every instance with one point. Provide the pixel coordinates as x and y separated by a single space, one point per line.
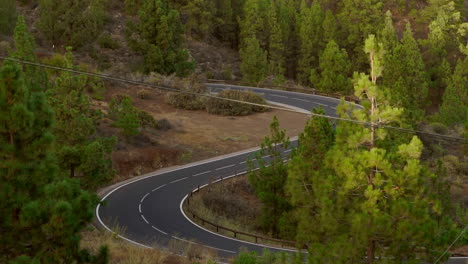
144 219
201 173
139 208
225 167
191 242
159 230
181 179
144 197
234 239
289 150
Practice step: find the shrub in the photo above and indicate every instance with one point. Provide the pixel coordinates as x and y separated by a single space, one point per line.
147 120
439 128
164 124
144 94
185 101
106 41
223 107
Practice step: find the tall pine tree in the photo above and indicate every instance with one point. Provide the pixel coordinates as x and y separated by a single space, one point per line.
42 214
276 49
454 108
158 37
254 64
334 70
310 39
406 78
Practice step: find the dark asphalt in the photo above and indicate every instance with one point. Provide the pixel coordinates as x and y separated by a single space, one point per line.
148 209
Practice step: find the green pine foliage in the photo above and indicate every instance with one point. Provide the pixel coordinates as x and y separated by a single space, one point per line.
72 23
329 27
310 39
406 77
454 108
7 17
307 183
81 153
201 20
42 213
334 70
368 195
269 180
126 116
276 60
358 19
254 64
158 37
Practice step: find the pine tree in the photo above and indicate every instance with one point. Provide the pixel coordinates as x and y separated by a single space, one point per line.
226 25
329 27
268 181
406 78
310 39
42 214
276 48
334 70
7 16
76 128
72 23
375 193
454 108
200 21
253 61
287 17
388 35
307 177
358 19
126 116
159 39
24 49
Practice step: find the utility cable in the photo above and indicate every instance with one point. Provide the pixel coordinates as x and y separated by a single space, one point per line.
453 243
122 80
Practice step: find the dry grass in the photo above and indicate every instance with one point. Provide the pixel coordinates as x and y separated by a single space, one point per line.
122 252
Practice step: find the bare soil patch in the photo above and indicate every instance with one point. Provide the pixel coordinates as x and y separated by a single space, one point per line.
193 136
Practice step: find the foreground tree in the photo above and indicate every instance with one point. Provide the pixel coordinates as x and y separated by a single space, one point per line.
376 194
307 185
81 153
157 36
42 213
268 181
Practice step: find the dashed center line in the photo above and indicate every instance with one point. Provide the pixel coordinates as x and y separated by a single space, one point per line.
158 187
300 100
181 179
144 197
289 150
201 173
225 167
144 219
282 96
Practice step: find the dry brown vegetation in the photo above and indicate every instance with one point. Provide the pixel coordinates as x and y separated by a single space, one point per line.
122 252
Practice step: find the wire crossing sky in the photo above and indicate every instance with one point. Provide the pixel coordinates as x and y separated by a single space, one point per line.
128 81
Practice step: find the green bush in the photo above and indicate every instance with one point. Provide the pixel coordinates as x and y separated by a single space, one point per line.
439 128
147 120
106 41
223 107
185 101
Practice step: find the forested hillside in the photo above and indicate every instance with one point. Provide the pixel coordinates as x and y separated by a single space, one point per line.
64 136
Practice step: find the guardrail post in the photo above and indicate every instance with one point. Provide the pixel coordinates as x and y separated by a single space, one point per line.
235 234
256 239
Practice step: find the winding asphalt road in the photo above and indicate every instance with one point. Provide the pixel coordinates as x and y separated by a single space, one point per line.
149 208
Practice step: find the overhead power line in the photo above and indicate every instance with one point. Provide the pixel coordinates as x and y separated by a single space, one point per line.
165 88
